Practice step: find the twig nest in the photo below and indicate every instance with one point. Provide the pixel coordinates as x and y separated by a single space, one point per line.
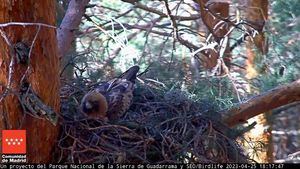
176 97
159 127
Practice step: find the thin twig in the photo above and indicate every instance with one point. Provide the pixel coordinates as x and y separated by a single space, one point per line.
26 24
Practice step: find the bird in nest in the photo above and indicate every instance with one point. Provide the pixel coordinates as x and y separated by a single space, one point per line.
110 100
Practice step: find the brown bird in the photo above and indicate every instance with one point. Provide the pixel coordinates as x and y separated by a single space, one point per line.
111 99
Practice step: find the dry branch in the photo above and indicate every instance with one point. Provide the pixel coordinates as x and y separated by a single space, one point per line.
262 103
161 14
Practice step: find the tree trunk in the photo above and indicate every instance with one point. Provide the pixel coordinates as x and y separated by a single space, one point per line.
264 102
210 15
71 21
43 74
260 104
66 66
256 15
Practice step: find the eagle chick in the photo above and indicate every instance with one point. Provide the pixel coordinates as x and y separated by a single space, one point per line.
111 99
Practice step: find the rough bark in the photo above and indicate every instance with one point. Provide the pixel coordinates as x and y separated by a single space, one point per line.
43 75
262 103
219 8
256 16
67 69
251 72
66 63
71 21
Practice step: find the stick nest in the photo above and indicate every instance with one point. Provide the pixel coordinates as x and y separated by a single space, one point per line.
161 126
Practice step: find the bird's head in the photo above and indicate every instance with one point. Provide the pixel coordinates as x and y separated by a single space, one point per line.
94 104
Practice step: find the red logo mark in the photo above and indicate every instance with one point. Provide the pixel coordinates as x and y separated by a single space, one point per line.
14 141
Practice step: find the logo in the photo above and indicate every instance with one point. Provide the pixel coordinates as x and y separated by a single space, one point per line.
14 141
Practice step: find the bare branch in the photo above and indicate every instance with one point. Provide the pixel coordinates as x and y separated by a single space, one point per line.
262 103
176 31
161 14
26 24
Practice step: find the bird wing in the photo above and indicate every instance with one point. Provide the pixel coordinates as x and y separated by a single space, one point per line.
119 97
130 74
119 93
103 87
120 82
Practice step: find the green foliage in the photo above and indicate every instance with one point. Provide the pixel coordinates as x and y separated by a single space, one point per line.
121 35
285 9
281 65
117 46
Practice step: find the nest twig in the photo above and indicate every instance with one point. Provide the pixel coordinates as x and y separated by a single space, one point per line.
160 127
